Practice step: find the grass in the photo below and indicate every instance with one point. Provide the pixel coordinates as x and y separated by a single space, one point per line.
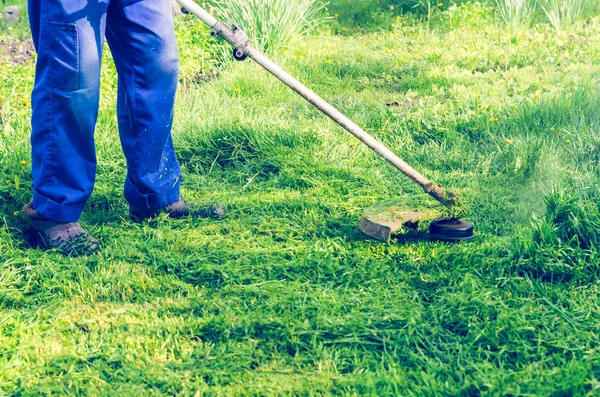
272 24
516 13
563 13
285 296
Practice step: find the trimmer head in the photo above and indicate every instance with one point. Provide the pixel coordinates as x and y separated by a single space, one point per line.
383 226
383 221
452 229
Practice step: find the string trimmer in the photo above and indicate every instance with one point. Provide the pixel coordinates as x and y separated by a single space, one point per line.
378 222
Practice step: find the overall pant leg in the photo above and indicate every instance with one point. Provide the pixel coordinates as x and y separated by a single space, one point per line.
68 36
141 38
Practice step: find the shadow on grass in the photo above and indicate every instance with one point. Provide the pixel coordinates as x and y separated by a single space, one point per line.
376 15
368 15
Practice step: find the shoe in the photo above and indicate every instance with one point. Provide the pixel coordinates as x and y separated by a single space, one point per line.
179 209
68 238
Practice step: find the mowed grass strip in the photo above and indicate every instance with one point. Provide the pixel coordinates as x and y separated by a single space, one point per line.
286 296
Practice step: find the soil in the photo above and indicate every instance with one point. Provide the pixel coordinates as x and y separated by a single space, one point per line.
207 77
16 51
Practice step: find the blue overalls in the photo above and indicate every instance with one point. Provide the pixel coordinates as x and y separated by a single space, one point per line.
69 36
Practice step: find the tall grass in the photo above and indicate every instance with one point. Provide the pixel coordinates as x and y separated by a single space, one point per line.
516 13
272 24
563 13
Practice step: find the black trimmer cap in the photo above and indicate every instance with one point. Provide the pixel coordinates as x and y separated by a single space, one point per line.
451 230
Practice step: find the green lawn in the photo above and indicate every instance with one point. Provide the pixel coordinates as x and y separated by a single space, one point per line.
286 296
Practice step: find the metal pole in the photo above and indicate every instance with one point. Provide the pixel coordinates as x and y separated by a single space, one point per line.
198 11
243 49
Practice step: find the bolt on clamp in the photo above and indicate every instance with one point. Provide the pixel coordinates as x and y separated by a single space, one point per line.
234 36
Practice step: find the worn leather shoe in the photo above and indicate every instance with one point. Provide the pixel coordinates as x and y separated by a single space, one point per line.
179 209
68 238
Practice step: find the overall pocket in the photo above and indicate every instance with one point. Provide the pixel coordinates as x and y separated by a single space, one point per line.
64 55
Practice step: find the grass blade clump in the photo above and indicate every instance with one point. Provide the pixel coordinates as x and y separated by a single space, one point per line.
562 244
563 13
575 216
516 13
272 24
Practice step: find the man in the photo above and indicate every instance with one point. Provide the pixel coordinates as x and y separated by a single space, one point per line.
69 37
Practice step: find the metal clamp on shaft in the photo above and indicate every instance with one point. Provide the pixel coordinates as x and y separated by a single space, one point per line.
234 36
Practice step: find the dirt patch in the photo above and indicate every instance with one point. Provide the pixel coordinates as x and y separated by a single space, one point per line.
404 104
203 78
16 51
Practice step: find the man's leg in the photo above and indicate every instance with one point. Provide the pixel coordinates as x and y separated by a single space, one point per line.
142 41
68 37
